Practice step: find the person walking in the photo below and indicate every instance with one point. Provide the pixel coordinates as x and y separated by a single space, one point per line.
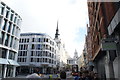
63 75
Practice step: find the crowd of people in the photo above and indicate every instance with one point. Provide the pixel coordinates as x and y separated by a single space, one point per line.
86 75
82 75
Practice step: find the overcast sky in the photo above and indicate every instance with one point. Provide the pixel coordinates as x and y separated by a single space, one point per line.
42 15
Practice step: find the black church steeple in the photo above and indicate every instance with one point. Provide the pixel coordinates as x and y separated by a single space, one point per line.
57 34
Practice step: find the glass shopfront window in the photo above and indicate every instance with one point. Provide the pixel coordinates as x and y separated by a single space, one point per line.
2 66
9 72
0 71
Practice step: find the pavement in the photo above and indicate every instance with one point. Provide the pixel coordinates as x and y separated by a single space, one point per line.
45 75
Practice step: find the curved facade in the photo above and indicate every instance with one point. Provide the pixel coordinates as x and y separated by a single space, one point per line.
37 51
9 40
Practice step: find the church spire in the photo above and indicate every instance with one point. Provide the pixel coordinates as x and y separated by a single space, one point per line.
57 34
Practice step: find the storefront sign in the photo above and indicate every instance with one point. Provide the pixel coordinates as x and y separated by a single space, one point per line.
108 46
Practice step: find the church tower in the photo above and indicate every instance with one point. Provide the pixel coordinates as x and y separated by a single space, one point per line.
75 56
57 32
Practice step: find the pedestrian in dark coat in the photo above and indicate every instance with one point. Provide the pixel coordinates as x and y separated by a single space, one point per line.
63 75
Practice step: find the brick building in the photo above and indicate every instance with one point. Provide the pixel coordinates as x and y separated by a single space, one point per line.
104 37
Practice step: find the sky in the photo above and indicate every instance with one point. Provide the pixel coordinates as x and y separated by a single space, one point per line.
41 16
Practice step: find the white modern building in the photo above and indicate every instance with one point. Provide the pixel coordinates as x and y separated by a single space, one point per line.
10 23
37 51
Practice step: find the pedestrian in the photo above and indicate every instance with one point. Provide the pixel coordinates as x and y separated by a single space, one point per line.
63 75
77 77
50 77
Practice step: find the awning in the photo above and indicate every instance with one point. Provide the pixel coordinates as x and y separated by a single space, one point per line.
12 62
3 61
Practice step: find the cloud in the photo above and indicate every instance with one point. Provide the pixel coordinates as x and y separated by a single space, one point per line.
42 16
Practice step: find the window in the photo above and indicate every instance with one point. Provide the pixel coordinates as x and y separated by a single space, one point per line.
2 35
9 72
21 47
37 59
31 59
15 44
32 53
46 40
40 40
7 13
33 39
22 40
11 17
39 46
11 55
33 46
3 53
15 19
27 40
45 59
6 40
13 30
1 10
49 60
9 27
16 31
4 24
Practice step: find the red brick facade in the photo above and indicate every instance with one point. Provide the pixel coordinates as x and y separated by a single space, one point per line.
100 15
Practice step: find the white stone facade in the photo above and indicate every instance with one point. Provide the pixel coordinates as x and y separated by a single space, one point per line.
37 50
10 23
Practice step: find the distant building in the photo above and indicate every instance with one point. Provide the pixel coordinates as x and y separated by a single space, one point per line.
10 23
75 57
80 61
37 51
70 61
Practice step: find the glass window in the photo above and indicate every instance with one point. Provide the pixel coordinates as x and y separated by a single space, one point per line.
37 59
31 59
6 40
46 40
3 53
7 13
33 39
9 27
1 10
0 52
9 72
15 19
27 40
45 59
2 35
15 44
32 53
39 46
11 17
0 22
33 46
1 71
11 41
49 60
13 30
4 24
11 55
